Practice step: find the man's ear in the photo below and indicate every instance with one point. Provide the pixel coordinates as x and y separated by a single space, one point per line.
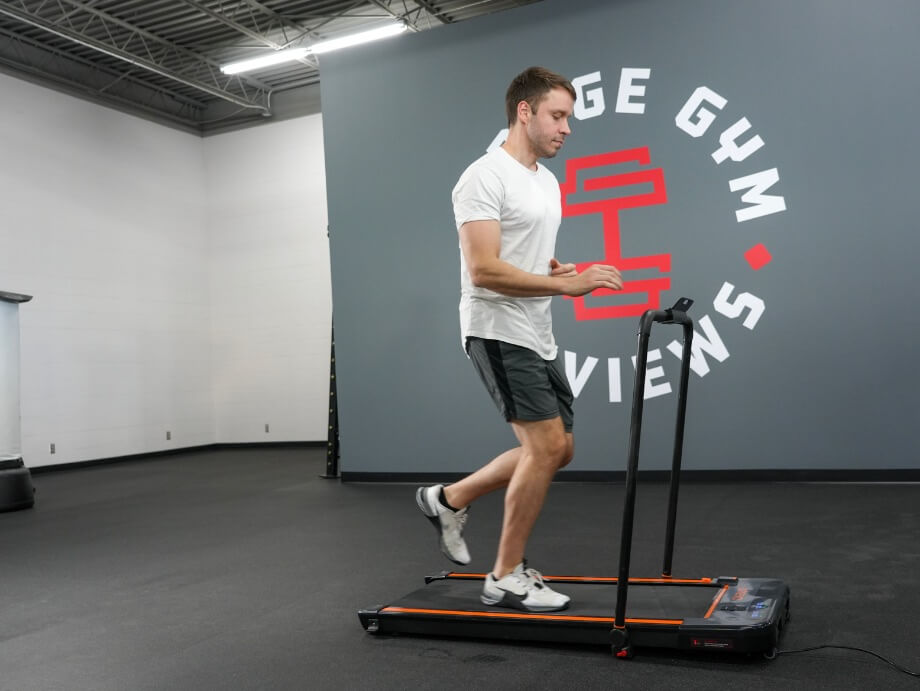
523 111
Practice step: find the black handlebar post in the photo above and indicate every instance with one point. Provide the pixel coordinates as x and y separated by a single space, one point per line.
687 325
675 315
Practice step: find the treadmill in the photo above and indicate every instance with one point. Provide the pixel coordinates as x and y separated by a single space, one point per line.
724 613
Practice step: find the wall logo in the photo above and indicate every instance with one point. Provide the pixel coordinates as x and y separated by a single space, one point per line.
579 170
604 184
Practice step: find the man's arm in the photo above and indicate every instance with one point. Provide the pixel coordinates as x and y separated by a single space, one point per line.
480 242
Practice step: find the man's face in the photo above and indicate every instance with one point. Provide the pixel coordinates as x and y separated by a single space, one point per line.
548 127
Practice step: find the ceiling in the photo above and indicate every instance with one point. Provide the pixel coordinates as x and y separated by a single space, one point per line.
161 58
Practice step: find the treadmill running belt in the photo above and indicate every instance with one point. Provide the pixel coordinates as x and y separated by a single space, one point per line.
644 601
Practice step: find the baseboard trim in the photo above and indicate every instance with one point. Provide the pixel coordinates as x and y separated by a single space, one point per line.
866 475
873 475
165 453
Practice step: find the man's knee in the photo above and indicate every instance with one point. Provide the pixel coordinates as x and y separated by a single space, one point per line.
560 450
568 452
546 442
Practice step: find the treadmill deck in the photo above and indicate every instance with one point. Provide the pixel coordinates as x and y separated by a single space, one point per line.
736 614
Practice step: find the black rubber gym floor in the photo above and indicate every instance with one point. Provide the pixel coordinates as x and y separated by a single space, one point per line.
240 568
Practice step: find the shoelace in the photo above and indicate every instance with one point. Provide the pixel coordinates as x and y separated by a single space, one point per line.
528 578
526 581
533 575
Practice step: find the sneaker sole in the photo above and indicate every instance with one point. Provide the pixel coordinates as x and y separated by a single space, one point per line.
432 515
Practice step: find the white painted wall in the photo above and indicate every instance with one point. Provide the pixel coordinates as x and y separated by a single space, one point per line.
105 219
271 304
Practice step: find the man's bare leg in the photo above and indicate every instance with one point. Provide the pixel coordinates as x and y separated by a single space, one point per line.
492 476
545 447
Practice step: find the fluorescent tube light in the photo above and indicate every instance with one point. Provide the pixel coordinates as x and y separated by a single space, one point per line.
265 60
291 54
355 39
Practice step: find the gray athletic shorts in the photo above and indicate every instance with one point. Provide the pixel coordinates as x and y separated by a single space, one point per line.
523 385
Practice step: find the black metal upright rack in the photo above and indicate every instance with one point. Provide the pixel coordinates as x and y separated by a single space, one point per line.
332 441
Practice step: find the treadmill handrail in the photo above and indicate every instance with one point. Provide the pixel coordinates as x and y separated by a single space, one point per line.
675 315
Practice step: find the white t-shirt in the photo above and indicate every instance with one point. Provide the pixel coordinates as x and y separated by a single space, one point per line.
528 206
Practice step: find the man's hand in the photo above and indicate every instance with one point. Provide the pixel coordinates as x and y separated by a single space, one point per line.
557 269
594 277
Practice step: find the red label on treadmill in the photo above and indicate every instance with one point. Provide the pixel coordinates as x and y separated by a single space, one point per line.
739 594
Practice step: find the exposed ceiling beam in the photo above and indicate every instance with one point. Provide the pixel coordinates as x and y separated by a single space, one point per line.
40 60
394 15
246 31
281 19
189 55
112 51
433 11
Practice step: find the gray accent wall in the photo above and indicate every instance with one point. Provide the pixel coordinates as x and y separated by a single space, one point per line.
778 193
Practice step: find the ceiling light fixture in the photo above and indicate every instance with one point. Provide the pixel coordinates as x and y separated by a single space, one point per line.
356 39
265 60
292 54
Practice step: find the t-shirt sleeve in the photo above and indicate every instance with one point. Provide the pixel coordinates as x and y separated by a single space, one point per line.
477 196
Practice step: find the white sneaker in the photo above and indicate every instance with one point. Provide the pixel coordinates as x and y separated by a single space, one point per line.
448 523
523 589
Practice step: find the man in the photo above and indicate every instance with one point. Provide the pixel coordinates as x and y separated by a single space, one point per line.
507 209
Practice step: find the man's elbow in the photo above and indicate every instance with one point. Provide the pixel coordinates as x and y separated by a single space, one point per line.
480 276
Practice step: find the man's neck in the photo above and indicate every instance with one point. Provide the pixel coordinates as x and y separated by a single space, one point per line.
518 146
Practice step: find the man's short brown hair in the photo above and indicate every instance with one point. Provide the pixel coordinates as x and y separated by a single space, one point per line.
532 85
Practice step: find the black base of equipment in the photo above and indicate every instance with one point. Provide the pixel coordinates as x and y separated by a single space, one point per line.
730 614
741 615
16 490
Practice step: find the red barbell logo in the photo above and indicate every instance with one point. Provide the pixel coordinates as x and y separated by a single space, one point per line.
645 291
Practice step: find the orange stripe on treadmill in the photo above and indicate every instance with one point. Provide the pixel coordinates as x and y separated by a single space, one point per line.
466 575
513 615
715 601
599 579
685 581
